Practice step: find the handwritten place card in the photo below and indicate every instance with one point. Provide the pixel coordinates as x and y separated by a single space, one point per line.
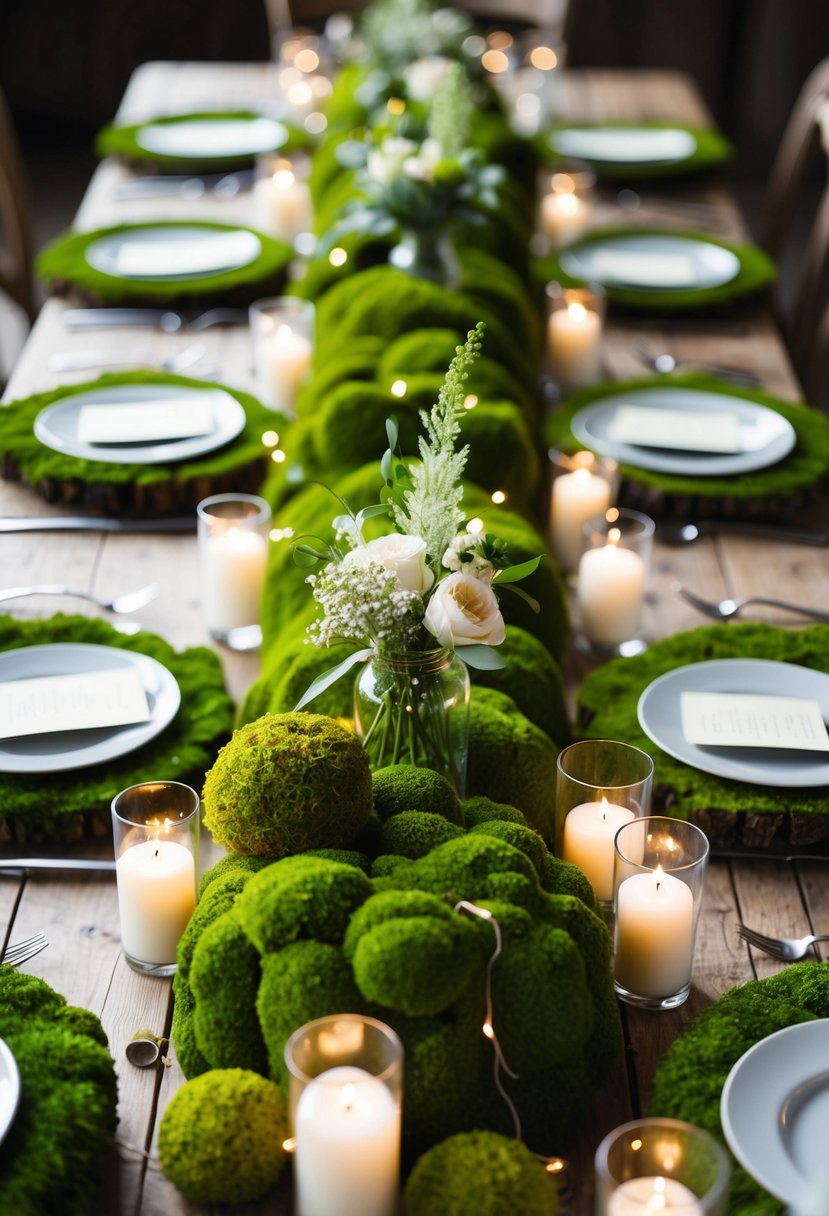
81 701
643 269
201 255
720 719
684 430
146 422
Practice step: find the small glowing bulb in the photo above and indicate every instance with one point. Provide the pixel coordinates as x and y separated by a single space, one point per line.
289 1145
278 456
476 526
488 1030
270 439
315 123
306 60
470 401
338 257
636 1145
563 183
398 389
300 94
612 515
499 496
495 62
544 58
396 105
499 40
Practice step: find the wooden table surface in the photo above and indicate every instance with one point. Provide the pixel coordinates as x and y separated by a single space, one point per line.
79 914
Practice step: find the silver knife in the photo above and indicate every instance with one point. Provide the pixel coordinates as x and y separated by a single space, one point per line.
54 863
89 523
112 318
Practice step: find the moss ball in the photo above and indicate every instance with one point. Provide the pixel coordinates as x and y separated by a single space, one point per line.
197 1154
480 809
413 834
286 783
480 1174
404 787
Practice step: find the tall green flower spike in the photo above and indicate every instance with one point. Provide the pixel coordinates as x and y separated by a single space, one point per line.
450 113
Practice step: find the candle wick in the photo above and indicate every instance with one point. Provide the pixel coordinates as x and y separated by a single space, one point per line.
156 853
658 885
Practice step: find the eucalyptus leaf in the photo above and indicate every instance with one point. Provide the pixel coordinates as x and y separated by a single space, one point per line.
484 658
392 431
514 574
331 676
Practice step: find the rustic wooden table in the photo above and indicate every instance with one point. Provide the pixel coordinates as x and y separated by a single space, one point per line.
79 913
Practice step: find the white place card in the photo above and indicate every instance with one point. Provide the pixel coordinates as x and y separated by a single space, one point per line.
643 269
145 422
202 255
685 430
719 719
82 701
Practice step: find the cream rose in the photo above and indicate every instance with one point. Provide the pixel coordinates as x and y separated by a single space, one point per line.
464 612
404 556
386 162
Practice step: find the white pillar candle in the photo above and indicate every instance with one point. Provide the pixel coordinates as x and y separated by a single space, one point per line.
574 336
284 360
347 1161
156 897
564 216
233 576
611 586
654 934
282 204
647 1196
576 497
589 832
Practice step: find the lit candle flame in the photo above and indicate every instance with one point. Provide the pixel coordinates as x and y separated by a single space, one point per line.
614 536
603 810
577 312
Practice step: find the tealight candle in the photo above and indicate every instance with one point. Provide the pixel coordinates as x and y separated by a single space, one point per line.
566 207
233 544
654 934
347 1128
611 587
589 831
574 337
576 498
645 1196
281 200
661 1165
282 332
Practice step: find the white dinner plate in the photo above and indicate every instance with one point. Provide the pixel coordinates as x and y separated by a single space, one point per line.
775 1114
660 717
647 261
9 1089
625 145
212 138
178 251
765 436
62 750
57 426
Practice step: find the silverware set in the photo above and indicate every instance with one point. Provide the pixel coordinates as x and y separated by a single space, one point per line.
666 363
784 949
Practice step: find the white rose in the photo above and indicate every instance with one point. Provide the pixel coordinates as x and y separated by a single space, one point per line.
403 556
424 75
463 611
386 162
476 564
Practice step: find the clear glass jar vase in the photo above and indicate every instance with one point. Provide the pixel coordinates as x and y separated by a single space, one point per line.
412 707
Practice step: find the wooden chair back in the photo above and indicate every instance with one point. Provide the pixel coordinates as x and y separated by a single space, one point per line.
16 246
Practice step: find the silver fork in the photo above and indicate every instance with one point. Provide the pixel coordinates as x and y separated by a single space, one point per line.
721 610
786 949
84 360
167 320
131 601
20 952
666 363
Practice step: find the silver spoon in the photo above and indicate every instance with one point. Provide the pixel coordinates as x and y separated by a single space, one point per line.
666 363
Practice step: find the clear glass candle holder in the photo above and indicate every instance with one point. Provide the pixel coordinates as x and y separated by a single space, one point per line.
282 332
658 876
346 1093
155 829
233 547
575 328
282 197
582 487
653 1165
612 577
600 786
567 197
526 70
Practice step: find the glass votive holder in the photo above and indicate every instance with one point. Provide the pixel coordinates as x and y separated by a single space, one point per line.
583 487
282 197
527 73
155 829
656 1165
567 196
233 548
575 326
610 587
600 786
346 1093
658 876
282 331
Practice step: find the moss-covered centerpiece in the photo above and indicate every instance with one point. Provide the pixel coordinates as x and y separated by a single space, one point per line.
418 601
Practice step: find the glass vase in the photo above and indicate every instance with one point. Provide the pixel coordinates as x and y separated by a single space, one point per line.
427 253
413 708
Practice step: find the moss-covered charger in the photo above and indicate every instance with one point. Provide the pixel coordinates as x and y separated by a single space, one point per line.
730 812
756 272
53 1157
134 488
780 488
66 806
63 266
124 140
712 149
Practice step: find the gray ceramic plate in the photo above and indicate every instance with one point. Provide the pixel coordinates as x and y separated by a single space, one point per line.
625 145
183 251
775 1113
9 1089
57 426
651 262
661 719
212 138
59 751
765 436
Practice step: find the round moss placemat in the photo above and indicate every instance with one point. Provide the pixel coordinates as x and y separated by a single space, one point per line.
53 1158
115 140
757 271
780 488
135 488
730 812
712 148
65 806
690 1077
63 266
